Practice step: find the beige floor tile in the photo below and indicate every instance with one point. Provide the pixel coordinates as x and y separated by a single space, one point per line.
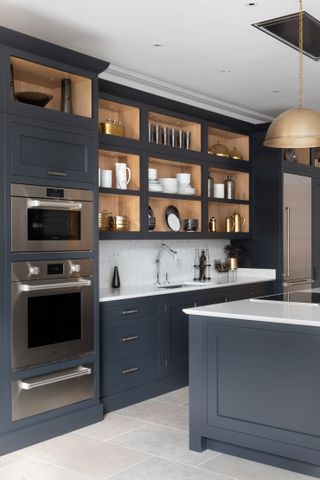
247 470
165 442
160 413
159 469
177 397
111 426
10 458
31 469
85 455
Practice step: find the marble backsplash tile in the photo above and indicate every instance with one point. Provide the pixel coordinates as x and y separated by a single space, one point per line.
136 259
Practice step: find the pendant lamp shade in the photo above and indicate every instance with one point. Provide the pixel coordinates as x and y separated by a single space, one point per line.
295 128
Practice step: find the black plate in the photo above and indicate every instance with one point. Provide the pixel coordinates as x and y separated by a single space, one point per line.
34 98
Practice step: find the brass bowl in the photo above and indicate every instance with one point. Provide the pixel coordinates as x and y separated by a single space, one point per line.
220 150
112 129
118 223
236 154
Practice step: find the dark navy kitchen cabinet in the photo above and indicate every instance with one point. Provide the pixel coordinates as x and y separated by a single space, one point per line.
51 151
316 230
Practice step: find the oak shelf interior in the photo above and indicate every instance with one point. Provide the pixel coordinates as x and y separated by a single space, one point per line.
221 211
187 209
108 160
127 114
128 205
34 77
168 168
231 140
241 181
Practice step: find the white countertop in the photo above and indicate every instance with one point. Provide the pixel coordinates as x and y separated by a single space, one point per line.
245 276
266 311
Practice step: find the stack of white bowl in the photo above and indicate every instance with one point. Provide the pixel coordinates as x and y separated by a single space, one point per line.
169 185
184 187
154 185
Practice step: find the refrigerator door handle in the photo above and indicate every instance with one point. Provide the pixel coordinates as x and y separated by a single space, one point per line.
287 273
297 282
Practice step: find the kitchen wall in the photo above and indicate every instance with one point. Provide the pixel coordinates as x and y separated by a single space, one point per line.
136 259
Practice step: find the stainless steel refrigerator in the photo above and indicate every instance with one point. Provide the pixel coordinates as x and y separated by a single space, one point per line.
297 232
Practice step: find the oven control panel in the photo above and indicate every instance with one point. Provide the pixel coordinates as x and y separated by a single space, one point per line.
51 269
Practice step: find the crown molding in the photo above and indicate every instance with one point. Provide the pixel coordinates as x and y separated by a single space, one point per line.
151 85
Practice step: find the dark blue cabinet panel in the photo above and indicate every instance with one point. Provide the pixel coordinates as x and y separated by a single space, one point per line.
128 340
129 312
126 373
44 150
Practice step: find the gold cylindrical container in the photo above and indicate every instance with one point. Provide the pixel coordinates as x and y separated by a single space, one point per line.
233 263
212 224
102 220
229 224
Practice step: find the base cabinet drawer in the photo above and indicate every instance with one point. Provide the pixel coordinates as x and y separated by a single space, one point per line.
127 313
121 375
34 395
129 340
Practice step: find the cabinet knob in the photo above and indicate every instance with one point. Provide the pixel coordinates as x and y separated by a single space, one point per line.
34 270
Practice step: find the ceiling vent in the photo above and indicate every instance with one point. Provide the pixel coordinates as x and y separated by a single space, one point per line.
286 29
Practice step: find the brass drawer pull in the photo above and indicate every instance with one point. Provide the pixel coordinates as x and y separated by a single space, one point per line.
129 339
130 370
129 312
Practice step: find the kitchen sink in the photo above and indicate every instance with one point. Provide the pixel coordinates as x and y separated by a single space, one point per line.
170 286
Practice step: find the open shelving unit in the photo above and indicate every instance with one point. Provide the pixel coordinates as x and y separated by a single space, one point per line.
28 76
169 161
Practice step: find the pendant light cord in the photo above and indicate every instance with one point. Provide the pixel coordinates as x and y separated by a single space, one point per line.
301 75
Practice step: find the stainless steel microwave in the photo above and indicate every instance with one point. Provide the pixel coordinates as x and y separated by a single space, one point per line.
48 219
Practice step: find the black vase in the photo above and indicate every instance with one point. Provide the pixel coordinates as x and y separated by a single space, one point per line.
66 96
115 278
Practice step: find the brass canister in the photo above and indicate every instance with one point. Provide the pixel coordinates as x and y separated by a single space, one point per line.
229 224
102 220
112 127
233 263
212 224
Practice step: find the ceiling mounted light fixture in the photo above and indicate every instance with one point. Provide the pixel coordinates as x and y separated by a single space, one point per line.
298 127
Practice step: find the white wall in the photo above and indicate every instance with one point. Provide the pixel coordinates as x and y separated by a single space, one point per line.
136 259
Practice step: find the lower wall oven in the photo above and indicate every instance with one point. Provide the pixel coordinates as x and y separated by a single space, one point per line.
34 395
52 311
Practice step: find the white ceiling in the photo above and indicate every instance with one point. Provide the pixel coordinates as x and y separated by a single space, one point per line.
200 38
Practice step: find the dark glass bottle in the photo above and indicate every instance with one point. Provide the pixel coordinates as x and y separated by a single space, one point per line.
115 278
203 264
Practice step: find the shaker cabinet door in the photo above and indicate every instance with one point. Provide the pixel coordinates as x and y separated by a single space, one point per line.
46 150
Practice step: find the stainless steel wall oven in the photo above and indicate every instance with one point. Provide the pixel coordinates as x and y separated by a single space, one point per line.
52 311
51 219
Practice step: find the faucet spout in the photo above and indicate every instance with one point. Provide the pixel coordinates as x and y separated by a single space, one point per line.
163 247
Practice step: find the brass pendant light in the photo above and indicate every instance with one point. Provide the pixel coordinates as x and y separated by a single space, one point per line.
298 127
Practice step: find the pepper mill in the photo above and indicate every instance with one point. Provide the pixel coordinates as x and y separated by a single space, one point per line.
115 278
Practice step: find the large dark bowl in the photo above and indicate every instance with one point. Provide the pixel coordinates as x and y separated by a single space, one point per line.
34 98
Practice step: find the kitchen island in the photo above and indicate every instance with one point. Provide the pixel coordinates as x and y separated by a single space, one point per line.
254 375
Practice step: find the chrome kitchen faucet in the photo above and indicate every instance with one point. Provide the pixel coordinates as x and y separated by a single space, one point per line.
163 246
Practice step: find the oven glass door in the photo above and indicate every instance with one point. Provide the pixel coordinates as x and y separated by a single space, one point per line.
39 225
51 321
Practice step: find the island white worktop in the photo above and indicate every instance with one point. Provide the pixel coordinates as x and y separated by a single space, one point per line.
263 311
244 276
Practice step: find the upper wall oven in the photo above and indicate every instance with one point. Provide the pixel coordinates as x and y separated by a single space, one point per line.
50 219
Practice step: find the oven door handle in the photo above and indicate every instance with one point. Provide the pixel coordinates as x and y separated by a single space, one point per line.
63 204
30 383
27 287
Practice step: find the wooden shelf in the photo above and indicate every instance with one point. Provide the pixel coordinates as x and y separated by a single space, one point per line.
229 202
118 191
231 140
128 115
241 180
179 124
122 205
187 209
173 196
108 159
221 210
169 168
33 77
303 156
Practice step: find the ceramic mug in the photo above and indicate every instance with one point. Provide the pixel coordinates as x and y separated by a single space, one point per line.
152 173
218 190
106 178
123 175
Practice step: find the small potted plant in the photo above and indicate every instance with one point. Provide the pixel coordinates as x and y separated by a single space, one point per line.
233 254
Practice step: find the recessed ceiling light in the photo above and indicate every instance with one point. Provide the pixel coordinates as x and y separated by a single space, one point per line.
251 4
157 44
225 70
275 91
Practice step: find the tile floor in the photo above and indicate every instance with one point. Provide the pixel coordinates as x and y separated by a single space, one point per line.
147 441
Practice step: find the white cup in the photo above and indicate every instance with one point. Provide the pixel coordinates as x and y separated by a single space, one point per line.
106 178
152 173
218 190
123 175
183 178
